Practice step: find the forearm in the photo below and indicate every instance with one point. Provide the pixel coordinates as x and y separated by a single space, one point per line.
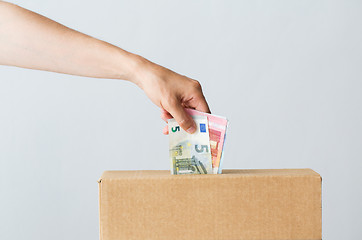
53 47
30 40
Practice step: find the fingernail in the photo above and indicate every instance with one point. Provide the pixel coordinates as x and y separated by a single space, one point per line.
192 129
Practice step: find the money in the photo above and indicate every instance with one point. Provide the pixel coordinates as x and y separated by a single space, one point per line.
217 130
190 153
201 152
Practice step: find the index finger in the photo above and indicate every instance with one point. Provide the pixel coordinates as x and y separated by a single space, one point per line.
202 105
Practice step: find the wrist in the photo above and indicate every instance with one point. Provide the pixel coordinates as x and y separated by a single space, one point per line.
136 68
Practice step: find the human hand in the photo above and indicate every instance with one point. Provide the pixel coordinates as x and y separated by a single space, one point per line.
172 92
37 42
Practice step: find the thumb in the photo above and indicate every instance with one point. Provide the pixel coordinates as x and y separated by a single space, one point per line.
182 117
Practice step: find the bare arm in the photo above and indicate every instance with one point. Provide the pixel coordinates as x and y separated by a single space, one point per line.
30 40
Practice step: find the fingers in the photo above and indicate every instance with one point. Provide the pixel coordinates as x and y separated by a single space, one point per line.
183 119
203 106
165 130
197 100
165 115
175 107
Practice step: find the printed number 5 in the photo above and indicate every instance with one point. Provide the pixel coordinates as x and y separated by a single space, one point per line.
174 129
203 147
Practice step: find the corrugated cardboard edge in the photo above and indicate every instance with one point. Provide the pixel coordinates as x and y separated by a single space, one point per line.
321 198
321 205
99 206
136 174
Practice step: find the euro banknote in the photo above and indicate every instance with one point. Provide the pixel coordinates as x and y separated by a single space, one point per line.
217 131
190 153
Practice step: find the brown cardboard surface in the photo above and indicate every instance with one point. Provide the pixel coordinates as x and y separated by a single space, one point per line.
238 204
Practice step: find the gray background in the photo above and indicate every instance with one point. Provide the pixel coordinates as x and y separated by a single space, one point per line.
287 74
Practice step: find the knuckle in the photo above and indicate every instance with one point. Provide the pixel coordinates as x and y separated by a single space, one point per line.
182 122
196 85
185 124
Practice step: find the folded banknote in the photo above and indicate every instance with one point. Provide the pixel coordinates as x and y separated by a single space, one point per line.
201 152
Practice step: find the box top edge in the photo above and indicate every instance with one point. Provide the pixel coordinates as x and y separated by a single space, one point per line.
120 174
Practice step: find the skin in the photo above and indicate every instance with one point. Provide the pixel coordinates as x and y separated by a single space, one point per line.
29 40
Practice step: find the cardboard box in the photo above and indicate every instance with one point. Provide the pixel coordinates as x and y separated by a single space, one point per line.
238 204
